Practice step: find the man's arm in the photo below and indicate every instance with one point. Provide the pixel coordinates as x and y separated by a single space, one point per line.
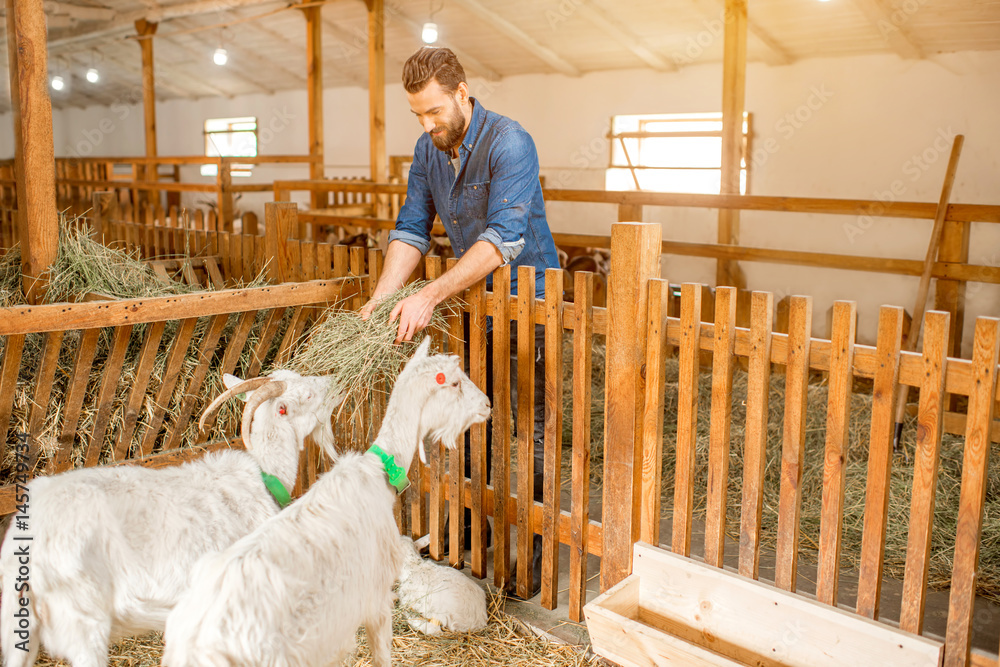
414 312
400 260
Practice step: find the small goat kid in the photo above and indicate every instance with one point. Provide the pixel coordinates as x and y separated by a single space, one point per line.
112 548
444 597
295 591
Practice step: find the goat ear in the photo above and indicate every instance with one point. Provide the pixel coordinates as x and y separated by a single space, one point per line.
423 348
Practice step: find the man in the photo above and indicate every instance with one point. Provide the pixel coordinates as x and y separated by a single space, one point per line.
478 171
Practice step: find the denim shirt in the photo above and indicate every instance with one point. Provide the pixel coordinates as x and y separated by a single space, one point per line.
496 196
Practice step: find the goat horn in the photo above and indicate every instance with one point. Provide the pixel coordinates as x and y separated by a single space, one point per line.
272 389
246 385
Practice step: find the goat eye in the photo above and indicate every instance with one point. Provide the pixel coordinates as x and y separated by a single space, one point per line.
282 410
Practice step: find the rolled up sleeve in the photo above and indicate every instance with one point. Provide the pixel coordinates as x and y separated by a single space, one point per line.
514 170
413 226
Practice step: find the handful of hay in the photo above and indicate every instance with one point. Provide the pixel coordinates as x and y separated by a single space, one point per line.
362 356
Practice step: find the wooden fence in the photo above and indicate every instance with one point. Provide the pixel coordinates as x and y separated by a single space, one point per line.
638 333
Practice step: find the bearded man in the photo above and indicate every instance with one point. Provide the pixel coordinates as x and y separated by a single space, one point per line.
478 171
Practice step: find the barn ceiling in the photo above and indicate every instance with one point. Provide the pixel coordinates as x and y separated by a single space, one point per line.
265 40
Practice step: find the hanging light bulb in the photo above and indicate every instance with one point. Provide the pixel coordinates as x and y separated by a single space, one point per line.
220 57
430 33
58 83
92 75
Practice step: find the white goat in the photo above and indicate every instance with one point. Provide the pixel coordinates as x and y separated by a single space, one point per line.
112 548
294 592
443 596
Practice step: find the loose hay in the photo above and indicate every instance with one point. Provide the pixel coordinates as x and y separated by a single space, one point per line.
504 641
362 356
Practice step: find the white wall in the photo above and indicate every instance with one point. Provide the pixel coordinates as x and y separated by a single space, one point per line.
862 127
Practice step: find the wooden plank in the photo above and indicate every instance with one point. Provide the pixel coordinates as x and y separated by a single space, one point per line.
793 442
722 399
236 258
376 89
171 373
975 467
42 391
249 270
734 66
206 351
652 420
635 258
307 251
436 459
324 261
234 350
477 434
111 372
755 446
280 218
884 394
949 294
292 337
713 604
87 315
75 393
214 276
687 417
456 456
925 471
525 427
137 395
12 351
552 461
267 334
838 418
583 342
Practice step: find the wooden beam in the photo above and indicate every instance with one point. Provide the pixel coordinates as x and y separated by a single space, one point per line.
734 66
124 66
623 35
897 36
774 52
147 30
314 91
530 44
351 44
33 147
376 89
79 13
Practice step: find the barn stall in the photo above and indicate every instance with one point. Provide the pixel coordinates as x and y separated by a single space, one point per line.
687 379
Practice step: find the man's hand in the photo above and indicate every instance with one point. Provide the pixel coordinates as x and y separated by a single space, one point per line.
367 310
414 313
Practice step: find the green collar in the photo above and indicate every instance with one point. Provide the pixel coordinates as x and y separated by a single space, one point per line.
396 474
277 489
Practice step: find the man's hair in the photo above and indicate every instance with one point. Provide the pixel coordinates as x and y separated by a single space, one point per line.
432 62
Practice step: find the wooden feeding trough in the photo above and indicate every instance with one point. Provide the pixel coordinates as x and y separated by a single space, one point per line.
674 610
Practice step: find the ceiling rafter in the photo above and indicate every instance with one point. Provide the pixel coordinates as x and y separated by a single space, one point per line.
623 35
353 44
298 76
774 52
505 27
136 71
232 67
78 12
469 62
894 34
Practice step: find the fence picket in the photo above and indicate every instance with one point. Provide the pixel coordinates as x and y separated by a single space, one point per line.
890 335
137 394
793 442
583 342
552 488
436 458
456 456
652 418
755 445
930 421
171 373
687 417
722 399
838 416
525 427
206 350
13 349
477 434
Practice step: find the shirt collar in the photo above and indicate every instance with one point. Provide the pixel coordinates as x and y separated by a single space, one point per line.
475 125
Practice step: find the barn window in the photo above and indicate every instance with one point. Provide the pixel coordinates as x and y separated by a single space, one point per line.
670 153
230 137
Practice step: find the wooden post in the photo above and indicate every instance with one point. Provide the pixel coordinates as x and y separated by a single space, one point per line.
635 258
314 88
146 31
279 221
949 295
224 181
34 152
734 65
376 97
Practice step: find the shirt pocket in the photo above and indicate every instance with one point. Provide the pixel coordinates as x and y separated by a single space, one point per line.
475 204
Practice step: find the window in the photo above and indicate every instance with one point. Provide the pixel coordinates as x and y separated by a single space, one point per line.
228 137
670 153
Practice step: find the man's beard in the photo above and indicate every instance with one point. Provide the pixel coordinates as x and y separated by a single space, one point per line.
453 127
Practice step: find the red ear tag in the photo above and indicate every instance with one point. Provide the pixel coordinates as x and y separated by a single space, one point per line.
440 378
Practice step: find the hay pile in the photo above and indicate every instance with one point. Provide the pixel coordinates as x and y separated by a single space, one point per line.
504 641
901 483
84 265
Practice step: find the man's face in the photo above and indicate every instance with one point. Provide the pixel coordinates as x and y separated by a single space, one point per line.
440 114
